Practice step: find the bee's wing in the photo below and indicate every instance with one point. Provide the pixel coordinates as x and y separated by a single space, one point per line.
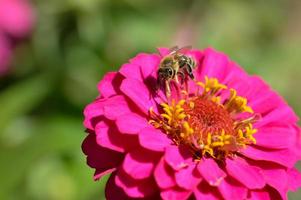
182 50
173 49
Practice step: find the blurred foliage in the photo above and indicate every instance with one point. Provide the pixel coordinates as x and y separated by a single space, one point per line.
75 42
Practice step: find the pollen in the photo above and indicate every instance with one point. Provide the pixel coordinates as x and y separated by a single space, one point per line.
211 125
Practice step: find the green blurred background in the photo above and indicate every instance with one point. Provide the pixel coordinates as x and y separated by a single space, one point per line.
75 42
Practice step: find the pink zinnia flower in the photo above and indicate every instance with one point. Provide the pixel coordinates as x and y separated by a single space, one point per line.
16 17
226 136
16 21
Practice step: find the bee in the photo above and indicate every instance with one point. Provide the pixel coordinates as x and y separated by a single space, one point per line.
173 65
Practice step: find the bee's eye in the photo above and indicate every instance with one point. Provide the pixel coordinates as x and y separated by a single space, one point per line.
169 71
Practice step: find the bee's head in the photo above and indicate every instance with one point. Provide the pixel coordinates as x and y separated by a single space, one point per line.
166 72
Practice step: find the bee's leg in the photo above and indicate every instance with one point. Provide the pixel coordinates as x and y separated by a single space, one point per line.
167 89
176 79
189 71
182 74
184 81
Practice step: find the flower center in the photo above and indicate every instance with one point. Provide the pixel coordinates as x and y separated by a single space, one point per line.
208 117
206 124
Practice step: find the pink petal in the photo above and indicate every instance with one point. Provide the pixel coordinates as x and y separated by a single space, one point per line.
211 172
260 90
153 139
206 192
188 178
268 193
109 85
248 175
175 194
93 110
138 93
110 107
275 137
239 81
105 137
139 166
215 64
102 159
280 183
271 170
266 102
294 179
109 137
231 189
115 107
141 66
135 188
148 63
283 115
131 123
164 175
297 145
260 195
131 71
178 157
112 191
284 157
235 77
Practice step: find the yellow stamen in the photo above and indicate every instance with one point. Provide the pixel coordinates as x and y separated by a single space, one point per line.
237 104
167 111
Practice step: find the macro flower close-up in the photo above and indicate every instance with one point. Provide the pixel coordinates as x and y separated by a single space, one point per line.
215 132
139 99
